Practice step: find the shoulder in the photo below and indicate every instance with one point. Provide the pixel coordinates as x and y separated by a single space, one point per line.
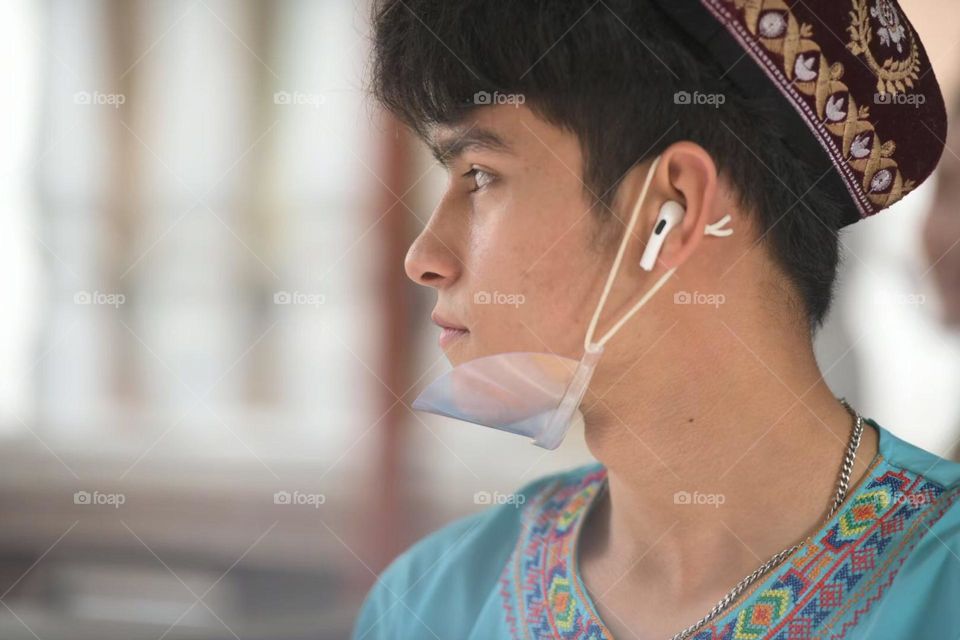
444 578
927 492
928 516
924 572
924 464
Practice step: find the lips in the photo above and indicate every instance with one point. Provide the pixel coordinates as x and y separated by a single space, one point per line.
447 336
443 323
451 331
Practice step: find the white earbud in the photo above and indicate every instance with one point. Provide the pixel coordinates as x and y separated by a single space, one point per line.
671 213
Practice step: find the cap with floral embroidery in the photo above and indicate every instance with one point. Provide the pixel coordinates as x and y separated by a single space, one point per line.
864 97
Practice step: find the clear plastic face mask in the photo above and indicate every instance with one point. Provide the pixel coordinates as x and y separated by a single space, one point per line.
531 394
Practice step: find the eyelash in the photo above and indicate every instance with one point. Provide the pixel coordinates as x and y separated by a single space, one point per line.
473 172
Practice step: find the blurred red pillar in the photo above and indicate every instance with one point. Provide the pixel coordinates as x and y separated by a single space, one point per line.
396 175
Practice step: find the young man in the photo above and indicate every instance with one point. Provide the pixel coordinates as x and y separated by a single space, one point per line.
734 496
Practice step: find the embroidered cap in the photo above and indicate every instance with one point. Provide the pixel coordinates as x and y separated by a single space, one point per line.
865 106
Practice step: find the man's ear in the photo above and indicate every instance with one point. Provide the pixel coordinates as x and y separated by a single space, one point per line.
686 173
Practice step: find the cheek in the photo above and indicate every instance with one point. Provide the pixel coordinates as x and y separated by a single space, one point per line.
566 282
540 275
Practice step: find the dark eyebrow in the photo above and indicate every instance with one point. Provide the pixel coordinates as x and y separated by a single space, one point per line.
449 148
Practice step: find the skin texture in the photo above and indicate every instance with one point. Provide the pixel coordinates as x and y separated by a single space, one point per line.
717 398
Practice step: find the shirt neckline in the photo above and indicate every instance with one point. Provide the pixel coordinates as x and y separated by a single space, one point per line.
586 600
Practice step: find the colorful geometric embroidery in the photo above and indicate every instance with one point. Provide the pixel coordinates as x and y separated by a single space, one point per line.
846 566
808 597
539 589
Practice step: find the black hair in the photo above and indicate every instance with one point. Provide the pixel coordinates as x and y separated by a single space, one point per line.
629 83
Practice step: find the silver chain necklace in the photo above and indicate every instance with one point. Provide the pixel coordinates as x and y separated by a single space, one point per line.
842 485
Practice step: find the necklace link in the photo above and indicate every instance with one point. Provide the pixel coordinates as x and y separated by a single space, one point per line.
843 484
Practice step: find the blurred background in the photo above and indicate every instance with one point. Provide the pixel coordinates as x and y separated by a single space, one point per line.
208 345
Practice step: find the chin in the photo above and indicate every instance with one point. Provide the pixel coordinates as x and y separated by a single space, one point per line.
457 353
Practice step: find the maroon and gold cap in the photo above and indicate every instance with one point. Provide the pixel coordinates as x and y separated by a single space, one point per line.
863 98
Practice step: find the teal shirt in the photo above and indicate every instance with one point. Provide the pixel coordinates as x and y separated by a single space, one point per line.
886 565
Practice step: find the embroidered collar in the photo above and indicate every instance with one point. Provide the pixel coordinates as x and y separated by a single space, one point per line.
843 569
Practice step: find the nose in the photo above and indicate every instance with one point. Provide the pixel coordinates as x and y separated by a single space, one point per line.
431 260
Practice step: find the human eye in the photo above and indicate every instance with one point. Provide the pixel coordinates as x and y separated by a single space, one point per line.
480 177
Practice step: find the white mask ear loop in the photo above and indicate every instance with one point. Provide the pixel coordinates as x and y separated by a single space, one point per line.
713 229
588 345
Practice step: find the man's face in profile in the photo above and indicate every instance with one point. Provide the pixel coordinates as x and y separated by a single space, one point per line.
510 247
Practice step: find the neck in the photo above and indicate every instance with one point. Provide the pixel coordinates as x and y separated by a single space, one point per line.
711 466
